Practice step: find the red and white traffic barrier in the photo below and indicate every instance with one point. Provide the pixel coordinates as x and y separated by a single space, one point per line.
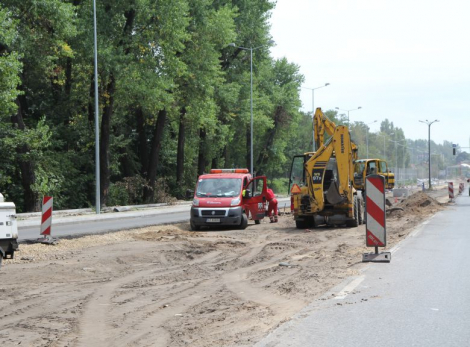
460 188
376 231
375 207
46 219
451 190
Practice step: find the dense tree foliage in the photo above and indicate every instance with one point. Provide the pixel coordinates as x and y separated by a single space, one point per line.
174 100
173 97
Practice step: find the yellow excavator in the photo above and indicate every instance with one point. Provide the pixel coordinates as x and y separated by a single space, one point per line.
365 167
326 185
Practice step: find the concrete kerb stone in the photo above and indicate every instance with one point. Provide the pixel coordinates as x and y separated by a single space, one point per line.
88 215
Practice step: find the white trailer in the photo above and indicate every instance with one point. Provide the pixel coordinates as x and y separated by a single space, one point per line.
8 230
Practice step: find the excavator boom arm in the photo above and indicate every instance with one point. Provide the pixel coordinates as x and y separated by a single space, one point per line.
322 124
341 148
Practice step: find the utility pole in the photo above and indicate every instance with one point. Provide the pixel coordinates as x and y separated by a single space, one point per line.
251 49
429 146
97 127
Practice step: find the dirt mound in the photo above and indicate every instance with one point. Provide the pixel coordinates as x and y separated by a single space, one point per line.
418 204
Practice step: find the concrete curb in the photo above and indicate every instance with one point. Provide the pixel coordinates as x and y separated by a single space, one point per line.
78 216
88 215
105 210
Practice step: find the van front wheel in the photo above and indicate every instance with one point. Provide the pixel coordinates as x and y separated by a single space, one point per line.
193 226
244 222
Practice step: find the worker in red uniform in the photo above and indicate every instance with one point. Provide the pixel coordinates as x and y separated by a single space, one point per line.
272 205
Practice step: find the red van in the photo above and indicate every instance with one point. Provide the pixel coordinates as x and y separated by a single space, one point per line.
228 197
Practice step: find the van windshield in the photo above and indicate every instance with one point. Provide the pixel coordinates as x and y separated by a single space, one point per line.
220 187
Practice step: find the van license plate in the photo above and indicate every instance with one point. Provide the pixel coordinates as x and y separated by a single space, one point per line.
213 220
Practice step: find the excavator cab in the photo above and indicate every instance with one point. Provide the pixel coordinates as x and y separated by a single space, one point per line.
366 167
297 171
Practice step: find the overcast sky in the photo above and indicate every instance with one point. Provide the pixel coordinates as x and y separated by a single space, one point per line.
404 60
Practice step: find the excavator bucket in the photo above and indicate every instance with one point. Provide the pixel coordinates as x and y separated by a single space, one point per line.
332 195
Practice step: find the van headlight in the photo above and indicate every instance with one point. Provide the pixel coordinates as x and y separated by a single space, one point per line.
195 202
235 202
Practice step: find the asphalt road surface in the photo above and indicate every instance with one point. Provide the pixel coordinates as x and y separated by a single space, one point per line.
79 227
421 298
95 224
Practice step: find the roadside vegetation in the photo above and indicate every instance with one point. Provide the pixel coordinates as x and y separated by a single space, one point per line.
174 100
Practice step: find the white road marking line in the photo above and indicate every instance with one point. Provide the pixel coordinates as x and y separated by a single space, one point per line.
349 288
420 228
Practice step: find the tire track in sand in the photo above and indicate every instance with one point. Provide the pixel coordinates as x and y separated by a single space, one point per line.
95 323
237 282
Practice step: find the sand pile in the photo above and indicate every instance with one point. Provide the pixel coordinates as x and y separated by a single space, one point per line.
417 204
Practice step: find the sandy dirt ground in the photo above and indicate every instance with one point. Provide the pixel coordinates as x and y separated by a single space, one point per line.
168 286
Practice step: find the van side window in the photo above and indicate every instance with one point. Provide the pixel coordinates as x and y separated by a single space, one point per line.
259 187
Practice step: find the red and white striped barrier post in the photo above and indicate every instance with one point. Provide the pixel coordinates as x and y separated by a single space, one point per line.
460 188
46 220
376 230
451 190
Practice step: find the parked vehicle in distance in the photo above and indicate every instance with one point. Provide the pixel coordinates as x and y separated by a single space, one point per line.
8 230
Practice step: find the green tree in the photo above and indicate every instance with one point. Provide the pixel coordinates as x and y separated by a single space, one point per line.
10 65
209 31
280 85
42 29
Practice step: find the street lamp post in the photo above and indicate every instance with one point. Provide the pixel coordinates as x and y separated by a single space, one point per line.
396 158
429 145
367 137
313 110
385 137
403 152
251 49
354 109
97 128
396 152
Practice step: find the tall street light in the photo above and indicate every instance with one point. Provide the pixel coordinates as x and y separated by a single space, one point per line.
385 137
396 150
396 155
354 109
313 110
367 137
429 145
251 49
390 136
97 128
397 172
